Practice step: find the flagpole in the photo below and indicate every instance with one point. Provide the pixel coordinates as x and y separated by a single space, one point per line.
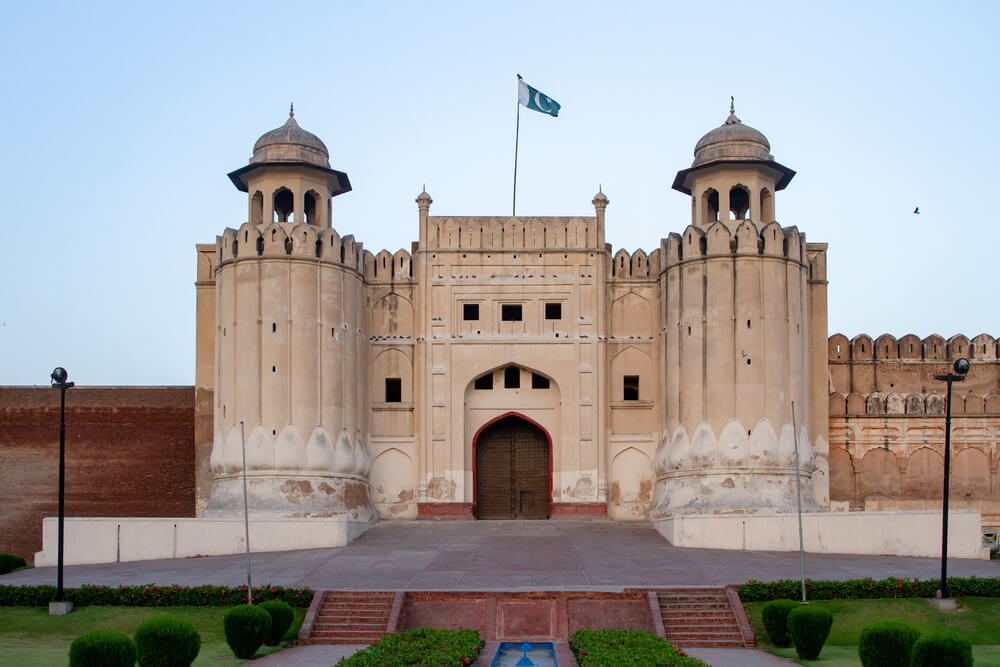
517 134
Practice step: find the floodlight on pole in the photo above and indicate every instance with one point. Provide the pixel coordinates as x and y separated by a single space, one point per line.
59 379
961 369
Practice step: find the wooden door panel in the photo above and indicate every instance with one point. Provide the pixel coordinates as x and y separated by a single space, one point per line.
493 462
512 471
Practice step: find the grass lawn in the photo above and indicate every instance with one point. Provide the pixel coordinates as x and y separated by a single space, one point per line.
847 656
29 636
977 618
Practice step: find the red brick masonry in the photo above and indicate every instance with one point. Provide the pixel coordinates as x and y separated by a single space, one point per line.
536 615
459 511
129 452
445 511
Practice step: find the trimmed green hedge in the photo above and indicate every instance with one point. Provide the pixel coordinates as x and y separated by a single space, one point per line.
942 648
422 647
246 628
153 596
808 628
102 648
626 648
887 643
867 589
281 619
10 562
775 617
165 641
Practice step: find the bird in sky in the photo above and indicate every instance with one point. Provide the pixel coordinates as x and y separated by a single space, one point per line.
917 210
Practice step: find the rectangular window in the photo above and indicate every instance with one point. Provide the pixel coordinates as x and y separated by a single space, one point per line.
539 381
393 390
510 312
553 311
485 381
470 311
631 387
512 377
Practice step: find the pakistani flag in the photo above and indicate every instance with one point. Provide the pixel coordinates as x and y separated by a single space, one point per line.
535 100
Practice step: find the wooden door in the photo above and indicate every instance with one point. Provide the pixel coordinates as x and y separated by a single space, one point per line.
512 471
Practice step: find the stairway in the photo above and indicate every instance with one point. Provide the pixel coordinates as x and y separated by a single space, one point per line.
352 617
700 617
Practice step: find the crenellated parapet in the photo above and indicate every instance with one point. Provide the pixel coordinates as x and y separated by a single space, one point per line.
286 239
512 233
733 238
983 347
387 267
863 367
635 266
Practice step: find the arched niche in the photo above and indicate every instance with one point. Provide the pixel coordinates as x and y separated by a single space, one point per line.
631 315
393 484
739 202
766 205
257 208
710 206
388 365
922 475
392 315
842 477
631 488
878 476
632 363
283 204
970 474
312 206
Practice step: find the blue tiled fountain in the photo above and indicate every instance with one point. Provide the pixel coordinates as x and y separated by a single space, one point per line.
526 654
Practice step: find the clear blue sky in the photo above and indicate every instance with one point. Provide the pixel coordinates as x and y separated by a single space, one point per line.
121 121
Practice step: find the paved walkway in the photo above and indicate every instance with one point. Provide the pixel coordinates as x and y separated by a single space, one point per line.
503 555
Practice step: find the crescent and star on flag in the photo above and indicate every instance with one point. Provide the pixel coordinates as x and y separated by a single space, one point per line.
534 99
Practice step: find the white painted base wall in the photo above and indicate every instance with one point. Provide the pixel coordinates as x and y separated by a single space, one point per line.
916 533
112 540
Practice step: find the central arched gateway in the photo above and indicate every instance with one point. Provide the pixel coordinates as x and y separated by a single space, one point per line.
512 470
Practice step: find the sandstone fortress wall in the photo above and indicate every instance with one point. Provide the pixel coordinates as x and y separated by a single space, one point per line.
522 360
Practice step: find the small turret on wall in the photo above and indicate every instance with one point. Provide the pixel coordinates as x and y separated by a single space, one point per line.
291 343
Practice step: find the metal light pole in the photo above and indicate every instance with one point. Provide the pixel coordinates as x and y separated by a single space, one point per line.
961 367
59 381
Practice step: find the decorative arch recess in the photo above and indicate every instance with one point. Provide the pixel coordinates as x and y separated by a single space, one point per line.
475 466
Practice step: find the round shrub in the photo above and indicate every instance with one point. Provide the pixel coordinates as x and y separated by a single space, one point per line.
10 562
102 648
808 628
942 649
246 626
775 617
281 619
887 644
164 641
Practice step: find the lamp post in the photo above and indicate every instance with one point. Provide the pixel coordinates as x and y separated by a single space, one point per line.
59 381
960 367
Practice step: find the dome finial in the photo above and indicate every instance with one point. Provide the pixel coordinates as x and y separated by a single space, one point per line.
291 110
732 120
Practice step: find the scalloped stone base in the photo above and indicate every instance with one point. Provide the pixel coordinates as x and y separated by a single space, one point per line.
273 494
728 491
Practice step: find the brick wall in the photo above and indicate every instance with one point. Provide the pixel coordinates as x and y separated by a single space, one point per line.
129 452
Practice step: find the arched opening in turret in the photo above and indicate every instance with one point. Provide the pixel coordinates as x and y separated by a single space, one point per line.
739 203
710 206
257 208
312 208
766 206
284 205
